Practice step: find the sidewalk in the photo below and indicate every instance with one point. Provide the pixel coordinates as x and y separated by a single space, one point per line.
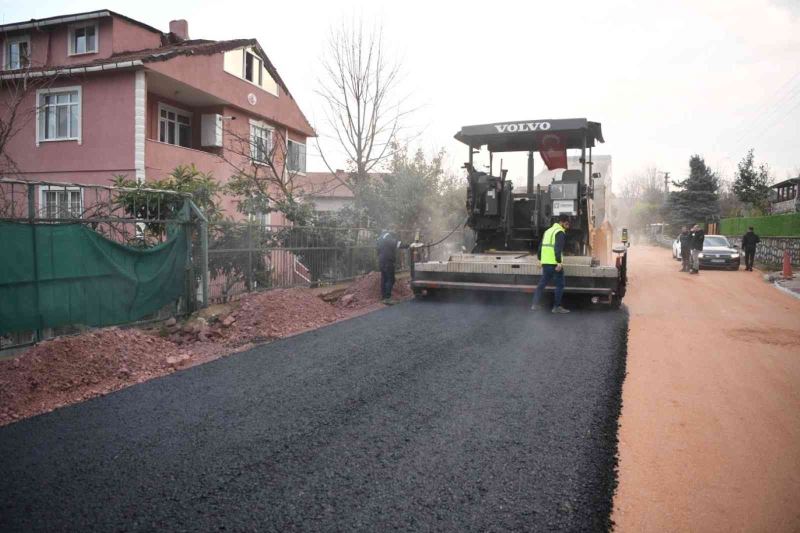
789 286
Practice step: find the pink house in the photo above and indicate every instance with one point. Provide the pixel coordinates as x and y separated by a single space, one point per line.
326 191
130 99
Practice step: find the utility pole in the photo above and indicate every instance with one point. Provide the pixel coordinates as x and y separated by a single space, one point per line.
666 185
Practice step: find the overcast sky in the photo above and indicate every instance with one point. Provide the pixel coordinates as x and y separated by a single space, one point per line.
666 79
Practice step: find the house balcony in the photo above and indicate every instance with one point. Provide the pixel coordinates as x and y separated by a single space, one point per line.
162 158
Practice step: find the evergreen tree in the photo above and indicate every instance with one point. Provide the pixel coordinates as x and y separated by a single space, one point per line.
752 186
698 201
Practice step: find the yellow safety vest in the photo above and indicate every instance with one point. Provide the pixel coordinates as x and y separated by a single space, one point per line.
549 244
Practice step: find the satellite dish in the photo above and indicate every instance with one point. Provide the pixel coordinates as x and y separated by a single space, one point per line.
251 98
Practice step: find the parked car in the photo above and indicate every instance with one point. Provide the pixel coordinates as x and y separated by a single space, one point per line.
718 253
676 248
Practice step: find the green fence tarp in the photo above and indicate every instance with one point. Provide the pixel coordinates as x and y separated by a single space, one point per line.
66 274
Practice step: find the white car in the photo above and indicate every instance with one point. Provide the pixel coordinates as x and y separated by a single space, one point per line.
676 248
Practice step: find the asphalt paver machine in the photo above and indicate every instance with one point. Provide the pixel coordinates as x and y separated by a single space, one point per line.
507 225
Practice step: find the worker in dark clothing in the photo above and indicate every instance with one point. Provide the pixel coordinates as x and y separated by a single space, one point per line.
388 244
550 249
749 242
698 236
685 239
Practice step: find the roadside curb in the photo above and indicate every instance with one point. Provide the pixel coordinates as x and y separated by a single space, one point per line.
787 290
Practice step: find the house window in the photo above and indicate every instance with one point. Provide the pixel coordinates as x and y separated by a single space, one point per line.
261 142
83 39
59 114
252 68
262 220
248 64
297 157
174 126
60 202
17 52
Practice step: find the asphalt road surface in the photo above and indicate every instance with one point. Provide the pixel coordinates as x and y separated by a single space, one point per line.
424 416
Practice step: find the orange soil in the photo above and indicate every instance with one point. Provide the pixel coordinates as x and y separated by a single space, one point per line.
710 425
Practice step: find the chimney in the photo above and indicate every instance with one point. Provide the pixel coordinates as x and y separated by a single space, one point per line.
180 28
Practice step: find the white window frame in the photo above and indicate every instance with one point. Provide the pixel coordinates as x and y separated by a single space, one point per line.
270 144
260 59
39 109
43 189
7 57
71 33
264 219
289 156
177 111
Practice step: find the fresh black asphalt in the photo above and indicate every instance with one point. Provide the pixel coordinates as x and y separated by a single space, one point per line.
426 416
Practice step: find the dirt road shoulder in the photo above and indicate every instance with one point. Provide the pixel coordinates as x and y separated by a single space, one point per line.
710 425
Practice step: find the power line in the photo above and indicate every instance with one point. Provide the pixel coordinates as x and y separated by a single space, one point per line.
771 100
783 119
772 104
768 118
777 121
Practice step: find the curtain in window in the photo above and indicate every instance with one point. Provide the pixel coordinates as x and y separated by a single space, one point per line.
261 140
297 157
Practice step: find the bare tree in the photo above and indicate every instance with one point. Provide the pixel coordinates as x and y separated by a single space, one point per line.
362 108
18 107
265 176
644 185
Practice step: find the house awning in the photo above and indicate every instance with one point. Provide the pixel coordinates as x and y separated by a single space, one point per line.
786 183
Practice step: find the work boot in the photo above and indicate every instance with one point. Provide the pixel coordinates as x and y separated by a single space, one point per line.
560 310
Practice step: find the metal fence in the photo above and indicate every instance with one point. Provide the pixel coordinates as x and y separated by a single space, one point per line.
248 256
134 217
227 259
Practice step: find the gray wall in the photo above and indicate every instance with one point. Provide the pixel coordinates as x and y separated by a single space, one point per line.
770 249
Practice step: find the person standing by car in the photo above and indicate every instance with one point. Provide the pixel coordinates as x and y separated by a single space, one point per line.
749 242
686 248
698 236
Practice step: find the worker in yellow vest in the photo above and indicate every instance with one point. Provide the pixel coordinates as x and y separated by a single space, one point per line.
551 248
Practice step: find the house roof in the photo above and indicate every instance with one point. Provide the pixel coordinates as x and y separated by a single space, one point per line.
171 47
66 19
168 51
324 184
784 183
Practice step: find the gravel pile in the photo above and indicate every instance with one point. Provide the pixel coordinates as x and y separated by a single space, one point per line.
366 290
273 315
70 369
